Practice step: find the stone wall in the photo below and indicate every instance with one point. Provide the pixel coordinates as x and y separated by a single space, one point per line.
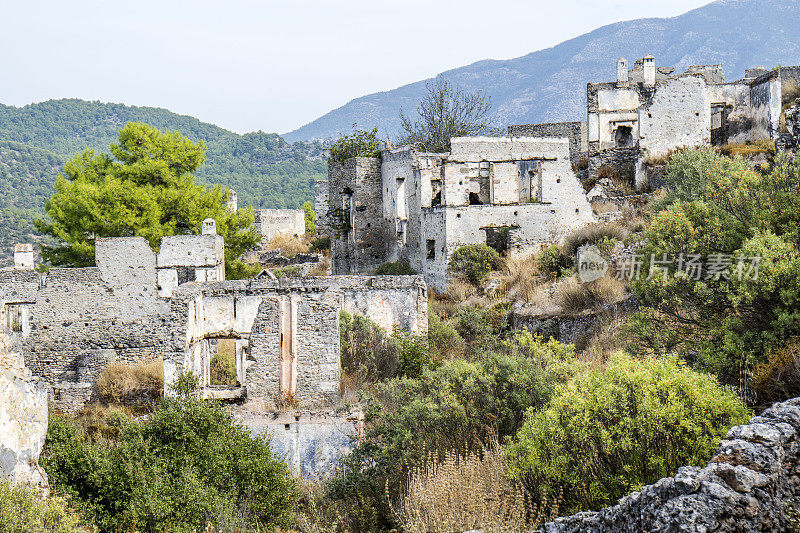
270 223
321 208
23 420
574 131
622 161
790 139
751 484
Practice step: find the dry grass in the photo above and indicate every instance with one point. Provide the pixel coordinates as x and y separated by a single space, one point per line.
121 382
592 234
289 246
574 296
778 376
789 93
321 269
749 148
608 339
459 290
467 493
583 162
523 277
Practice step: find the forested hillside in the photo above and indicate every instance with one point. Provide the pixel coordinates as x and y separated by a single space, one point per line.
36 139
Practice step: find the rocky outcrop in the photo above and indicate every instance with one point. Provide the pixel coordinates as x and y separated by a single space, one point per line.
23 420
752 484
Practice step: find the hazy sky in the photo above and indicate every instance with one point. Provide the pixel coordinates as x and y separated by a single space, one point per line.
272 65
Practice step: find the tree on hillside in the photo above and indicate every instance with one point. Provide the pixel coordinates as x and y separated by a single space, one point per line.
146 188
446 111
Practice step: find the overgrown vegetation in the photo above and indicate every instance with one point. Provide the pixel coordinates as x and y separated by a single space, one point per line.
474 262
223 369
608 432
360 143
398 268
174 472
144 188
122 383
23 510
445 111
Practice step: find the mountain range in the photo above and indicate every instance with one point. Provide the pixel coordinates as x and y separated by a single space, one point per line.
550 85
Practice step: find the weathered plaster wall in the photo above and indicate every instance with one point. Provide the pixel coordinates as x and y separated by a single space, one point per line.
748 486
270 223
765 101
23 419
576 132
321 208
678 115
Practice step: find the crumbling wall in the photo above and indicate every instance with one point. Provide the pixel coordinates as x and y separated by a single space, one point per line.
678 115
576 132
23 419
321 208
751 484
765 104
790 138
270 223
359 236
186 258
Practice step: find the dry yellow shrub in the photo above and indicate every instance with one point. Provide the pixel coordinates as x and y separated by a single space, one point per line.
120 381
462 493
289 246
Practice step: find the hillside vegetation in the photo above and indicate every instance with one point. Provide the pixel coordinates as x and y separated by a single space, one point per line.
35 140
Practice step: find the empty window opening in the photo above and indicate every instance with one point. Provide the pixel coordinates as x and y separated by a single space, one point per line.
623 137
14 318
500 238
223 365
529 181
478 187
186 274
431 248
436 193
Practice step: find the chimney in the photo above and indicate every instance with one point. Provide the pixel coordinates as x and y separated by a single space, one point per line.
622 72
209 227
233 202
23 256
649 70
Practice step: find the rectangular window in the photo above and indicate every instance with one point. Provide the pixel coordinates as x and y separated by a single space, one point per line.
14 318
530 181
431 247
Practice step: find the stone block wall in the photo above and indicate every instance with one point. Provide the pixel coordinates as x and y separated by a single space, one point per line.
270 223
321 208
750 485
574 131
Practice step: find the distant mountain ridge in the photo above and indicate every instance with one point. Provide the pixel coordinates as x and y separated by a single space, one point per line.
550 85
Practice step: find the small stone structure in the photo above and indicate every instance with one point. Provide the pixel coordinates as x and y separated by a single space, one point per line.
23 256
750 485
23 419
270 223
512 193
136 305
574 131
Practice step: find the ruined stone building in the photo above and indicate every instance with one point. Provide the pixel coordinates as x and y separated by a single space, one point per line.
512 193
270 223
649 111
174 306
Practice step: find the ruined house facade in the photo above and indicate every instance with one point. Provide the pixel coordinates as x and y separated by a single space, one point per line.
70 323
512 193
649 111
271 223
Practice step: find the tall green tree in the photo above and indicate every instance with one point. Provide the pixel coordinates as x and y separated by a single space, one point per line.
145 187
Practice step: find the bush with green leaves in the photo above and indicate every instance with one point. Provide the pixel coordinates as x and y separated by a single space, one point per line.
457 406
444 341
398 268
728 323
474 262
223 369
608 432
360 143
172 472
23 510
553 260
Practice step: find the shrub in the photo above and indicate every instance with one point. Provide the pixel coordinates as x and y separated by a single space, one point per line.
291 271
320 244
443 339
223 369
608 432
367 352
399 268
309 217
592 234
574 296
170 473
459 406
120 382
552 260
481 325
465 493
360 143
23 510
749 148
474 262
288 245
